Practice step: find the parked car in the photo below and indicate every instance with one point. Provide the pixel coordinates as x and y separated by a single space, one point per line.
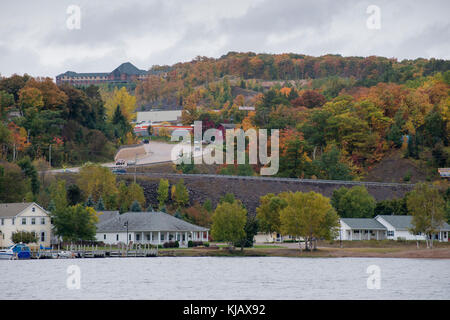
120 162
119 171
145 141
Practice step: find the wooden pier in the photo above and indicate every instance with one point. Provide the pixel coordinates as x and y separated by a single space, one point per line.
77 251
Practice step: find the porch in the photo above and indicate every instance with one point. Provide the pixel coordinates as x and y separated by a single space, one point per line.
366 234
160 237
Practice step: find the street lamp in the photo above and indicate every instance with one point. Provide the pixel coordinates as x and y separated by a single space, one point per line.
126 225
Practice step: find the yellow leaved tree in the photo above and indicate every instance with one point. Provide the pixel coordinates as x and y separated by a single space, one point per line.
120 97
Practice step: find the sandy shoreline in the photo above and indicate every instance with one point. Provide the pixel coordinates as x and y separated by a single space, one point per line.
330 252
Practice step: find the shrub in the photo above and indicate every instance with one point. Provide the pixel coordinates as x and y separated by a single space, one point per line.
171 244
192 244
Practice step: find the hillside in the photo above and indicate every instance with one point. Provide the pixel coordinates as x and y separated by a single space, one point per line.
396 168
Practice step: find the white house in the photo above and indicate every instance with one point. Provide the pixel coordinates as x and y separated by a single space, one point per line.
263 237
28 217
398 228
148 228
384 227
361 229
158 115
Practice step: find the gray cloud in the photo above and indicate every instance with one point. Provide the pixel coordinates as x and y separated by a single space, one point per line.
34 37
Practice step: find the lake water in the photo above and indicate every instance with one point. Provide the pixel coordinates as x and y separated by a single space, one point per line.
226 278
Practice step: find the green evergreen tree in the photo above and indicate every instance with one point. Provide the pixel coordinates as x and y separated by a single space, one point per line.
90 202
51 206
135 206
100 205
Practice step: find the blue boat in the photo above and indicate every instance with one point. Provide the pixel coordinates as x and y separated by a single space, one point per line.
18 251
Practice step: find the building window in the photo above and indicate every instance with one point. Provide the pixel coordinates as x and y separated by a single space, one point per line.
13 221
33 209
104 237
24 220
2 221
117 237
42 220
33 220
129 237
42 236
162 236
390 233
355 231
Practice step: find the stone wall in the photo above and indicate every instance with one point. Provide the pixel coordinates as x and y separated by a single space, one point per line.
249 191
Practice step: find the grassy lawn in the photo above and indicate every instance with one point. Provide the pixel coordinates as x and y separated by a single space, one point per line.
262 246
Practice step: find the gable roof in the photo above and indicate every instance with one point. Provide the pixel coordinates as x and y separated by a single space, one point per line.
146 221
104 215
404 222
128 68
363 223
13 209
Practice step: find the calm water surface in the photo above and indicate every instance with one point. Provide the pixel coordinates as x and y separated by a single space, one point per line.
226 278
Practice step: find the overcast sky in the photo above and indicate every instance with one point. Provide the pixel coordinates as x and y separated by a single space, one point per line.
35 39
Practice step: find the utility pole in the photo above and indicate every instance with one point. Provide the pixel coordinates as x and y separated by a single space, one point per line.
50 155
135 166
126 224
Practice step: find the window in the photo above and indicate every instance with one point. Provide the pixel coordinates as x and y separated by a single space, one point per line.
13 221
2 221
355 231
42 236
104 237
24 220
390 233
117 237
129 237
42 220
162 236
33 220
33 209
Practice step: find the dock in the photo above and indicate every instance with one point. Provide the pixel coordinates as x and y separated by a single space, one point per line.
78 251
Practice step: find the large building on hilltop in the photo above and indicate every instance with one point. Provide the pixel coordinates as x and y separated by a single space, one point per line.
124 73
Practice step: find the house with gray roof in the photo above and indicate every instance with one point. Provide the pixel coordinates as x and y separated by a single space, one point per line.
24 216
398 227
361 229
148 228
384 227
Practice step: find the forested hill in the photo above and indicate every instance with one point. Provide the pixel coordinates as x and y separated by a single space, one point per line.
367 71
339 116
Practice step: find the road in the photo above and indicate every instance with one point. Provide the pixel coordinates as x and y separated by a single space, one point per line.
157 152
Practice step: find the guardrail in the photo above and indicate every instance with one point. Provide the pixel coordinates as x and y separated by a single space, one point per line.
291 180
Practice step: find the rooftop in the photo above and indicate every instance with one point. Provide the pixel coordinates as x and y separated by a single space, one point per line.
13 209
404 222
363 223
125 68
104 215
146 221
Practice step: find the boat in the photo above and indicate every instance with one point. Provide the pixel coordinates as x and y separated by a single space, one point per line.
18 251
65 255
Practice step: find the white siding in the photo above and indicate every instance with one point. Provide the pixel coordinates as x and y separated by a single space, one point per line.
33 211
